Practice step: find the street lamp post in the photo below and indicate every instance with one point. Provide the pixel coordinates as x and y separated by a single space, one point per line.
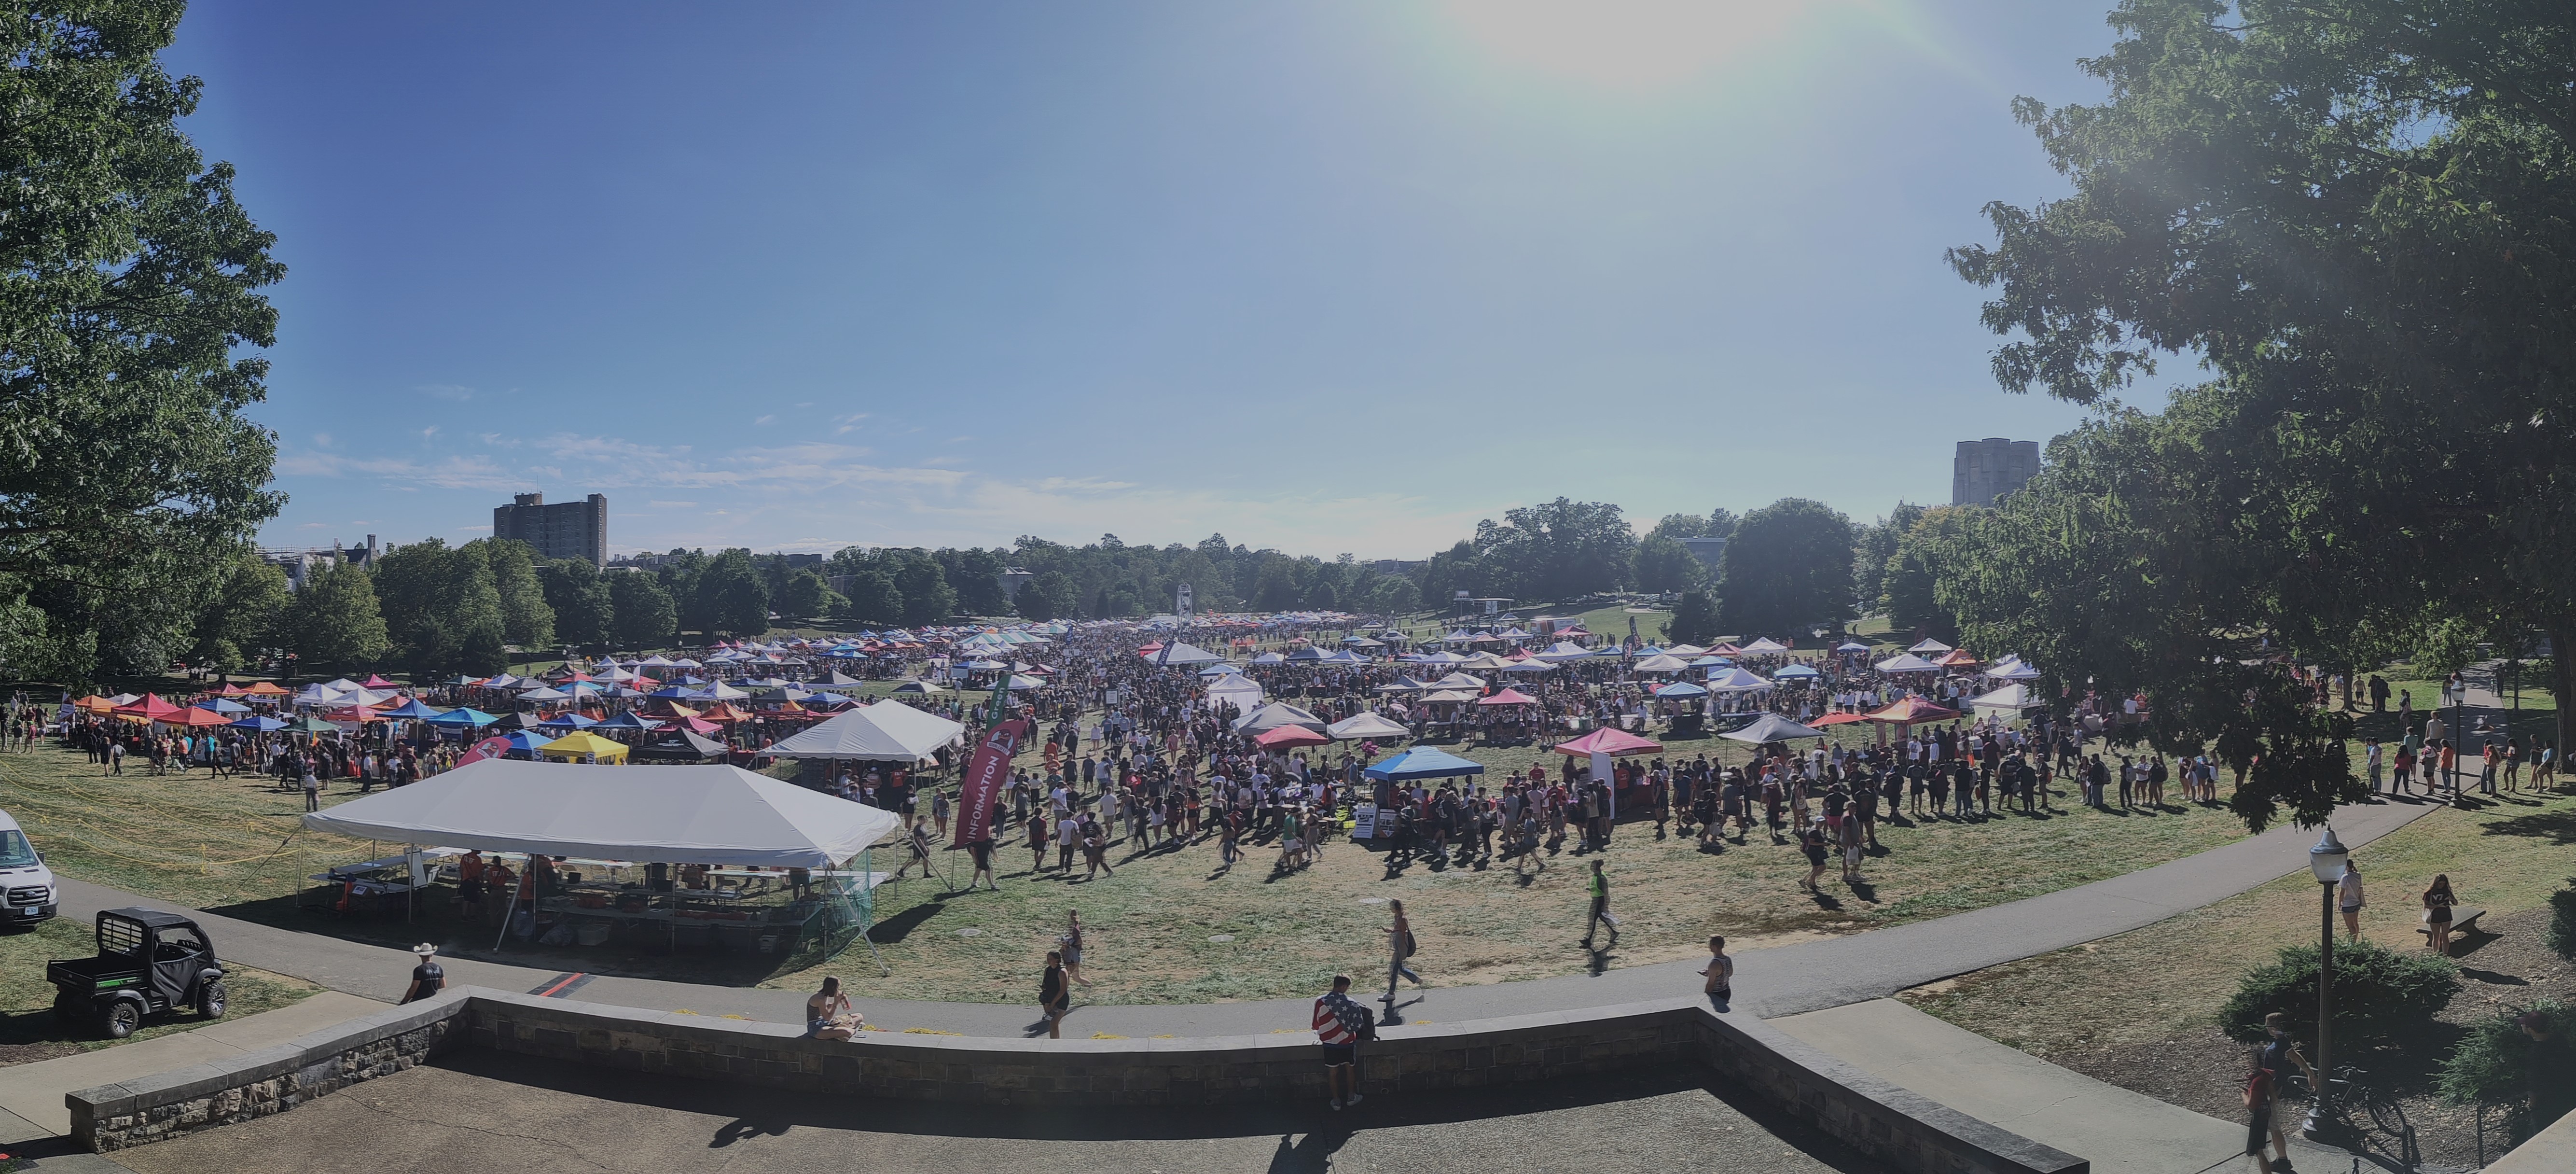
2326 860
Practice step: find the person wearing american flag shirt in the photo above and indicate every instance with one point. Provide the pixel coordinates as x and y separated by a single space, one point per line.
1339 1025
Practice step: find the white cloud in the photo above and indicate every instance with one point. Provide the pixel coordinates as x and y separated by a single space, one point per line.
763 419
446 391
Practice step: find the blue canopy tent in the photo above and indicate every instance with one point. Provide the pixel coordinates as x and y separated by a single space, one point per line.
1679 690
1423 762
567 721
1796 670
411 710
220 705
626 721
464 718
261 723
524 742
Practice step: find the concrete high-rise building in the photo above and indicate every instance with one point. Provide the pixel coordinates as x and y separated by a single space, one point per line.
572 529
1985 470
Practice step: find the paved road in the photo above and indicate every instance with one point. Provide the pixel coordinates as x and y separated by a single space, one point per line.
495 1114
1782 981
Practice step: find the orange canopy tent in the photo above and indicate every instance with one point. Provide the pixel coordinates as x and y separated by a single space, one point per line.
267 689
94 704
198 717
1911 710
1838 719
723 711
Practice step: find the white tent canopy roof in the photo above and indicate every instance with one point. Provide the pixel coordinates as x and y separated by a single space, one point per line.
2015 696
659 814
1276 714
1366 725
888 731
1907 663
1184 654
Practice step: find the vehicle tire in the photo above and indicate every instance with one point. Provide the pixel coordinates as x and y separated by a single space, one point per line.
210 1000
120 1019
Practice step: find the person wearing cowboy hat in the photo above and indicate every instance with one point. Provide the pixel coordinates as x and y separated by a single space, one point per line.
426 979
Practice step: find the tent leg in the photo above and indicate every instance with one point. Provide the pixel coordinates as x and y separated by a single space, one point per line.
512 909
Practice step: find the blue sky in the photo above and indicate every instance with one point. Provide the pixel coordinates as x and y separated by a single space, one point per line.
1325 276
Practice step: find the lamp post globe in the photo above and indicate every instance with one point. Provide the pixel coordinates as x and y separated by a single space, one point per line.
2326 861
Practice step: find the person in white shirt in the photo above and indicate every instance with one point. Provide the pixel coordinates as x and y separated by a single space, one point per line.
2348 897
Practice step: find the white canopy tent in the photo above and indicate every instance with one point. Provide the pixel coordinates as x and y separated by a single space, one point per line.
1666 663
1736 681
888 731
2012 698
1907 663
1276 714
1183 654
1772 727
1366 725
1243 693
660 815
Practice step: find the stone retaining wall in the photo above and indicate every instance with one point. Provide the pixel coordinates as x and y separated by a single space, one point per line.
271 1080
1878 1119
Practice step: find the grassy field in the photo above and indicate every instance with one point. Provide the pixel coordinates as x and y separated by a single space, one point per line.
29 1031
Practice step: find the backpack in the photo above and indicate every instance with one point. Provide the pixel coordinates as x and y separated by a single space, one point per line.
1355 1019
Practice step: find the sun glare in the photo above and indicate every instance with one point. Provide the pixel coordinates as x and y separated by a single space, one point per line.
1638 45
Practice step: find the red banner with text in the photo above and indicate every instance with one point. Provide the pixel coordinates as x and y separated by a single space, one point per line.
986 774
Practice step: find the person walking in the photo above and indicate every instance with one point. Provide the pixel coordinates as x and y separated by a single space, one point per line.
2273 1062
1601 914
2348 897
1718 976
1400 946
1069 946
427 978
1055 995
1339 1025
982 852
312 789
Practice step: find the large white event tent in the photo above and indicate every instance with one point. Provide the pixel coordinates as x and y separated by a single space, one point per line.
888 731
656 815
2012 698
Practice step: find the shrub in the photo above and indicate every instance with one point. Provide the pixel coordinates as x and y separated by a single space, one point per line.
2378 992
2562 921
2495 1063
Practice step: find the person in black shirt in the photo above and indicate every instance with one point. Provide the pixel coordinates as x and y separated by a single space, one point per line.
426 979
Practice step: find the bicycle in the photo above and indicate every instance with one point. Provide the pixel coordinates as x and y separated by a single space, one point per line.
2386 1117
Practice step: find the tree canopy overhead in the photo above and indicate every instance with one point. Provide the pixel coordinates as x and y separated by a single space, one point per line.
131 279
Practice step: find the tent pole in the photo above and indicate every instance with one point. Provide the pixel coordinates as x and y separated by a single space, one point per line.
512 909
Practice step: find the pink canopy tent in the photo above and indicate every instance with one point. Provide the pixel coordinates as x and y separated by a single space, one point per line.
1508 697
1615 743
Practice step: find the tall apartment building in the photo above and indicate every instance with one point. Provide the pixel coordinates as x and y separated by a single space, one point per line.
1985 470
572 529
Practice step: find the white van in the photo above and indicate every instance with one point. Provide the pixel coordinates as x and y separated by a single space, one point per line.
25 883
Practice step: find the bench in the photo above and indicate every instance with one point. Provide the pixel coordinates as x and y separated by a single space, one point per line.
2464 919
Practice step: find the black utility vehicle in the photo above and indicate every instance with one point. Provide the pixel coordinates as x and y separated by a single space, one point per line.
148 962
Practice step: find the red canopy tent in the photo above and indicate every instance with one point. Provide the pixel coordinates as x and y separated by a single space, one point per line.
1508 697
198 717
150 708
1286 736
375 681
1838 719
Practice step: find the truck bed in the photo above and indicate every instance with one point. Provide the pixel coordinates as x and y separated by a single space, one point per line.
88 971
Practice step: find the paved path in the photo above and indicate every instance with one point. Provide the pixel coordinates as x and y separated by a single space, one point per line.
1785 980
31 1095
2120 1131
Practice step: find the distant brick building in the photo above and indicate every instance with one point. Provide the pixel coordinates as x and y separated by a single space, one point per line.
572 529
1985 470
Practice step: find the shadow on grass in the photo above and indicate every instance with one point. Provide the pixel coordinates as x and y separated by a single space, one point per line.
2558 827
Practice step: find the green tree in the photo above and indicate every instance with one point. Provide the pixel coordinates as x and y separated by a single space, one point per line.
1664 564
333 621
1049 596
1694 619
1909 579
527 620
874 602
641 614
1788 565
1322 597
129 473
1875 544
442 608
2355 214
977 577
1557 550
246 614
1395 595
585 609
731 597
927 597
808 597
1721 523
1679 526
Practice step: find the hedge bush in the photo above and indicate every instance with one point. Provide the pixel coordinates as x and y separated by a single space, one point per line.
2378 992
2496 1064
2562 921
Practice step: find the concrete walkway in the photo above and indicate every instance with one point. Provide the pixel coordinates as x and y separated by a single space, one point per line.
31 1095
1786 980
2120 1131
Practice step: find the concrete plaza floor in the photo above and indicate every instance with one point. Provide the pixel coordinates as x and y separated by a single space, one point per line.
496 1114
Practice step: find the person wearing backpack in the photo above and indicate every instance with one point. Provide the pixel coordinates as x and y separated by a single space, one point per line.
1340 1025
1400 946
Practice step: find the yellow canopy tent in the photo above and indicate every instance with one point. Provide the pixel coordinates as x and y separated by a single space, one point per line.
580 742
